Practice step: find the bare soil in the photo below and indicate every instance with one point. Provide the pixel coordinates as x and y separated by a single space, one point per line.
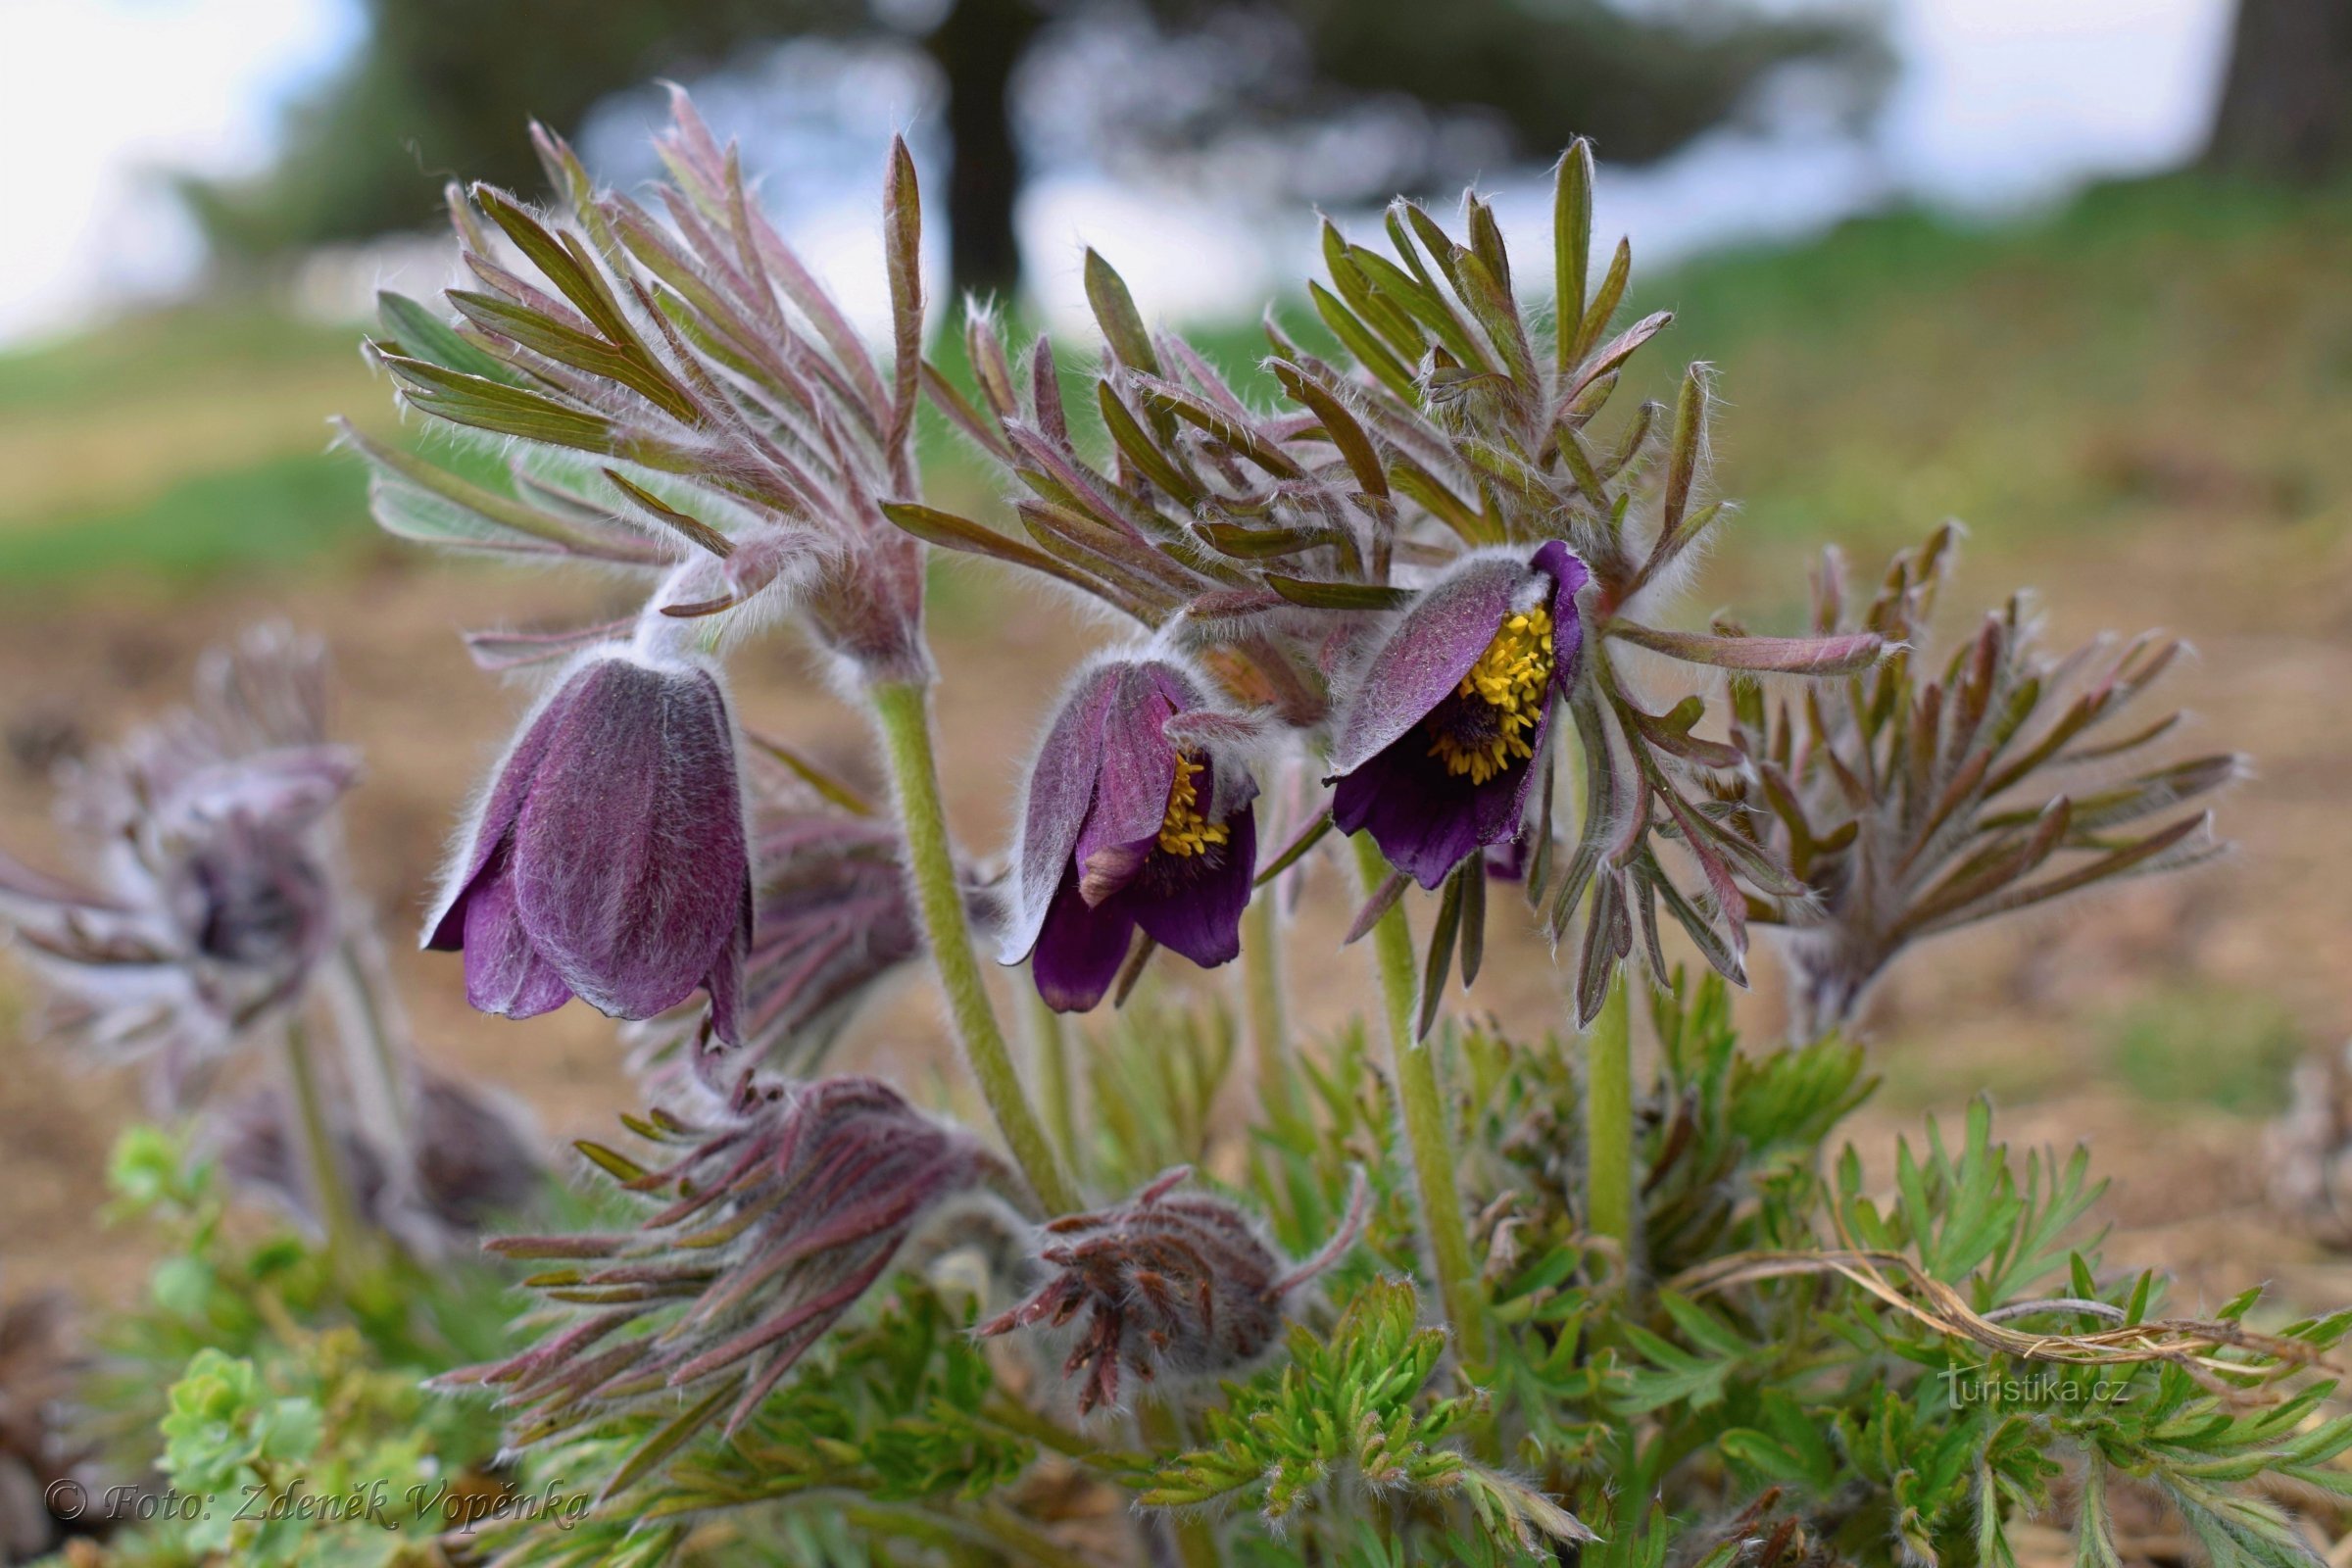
2024 1012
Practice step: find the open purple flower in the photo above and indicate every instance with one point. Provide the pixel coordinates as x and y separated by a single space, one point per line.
610 861
1129 823
1438 747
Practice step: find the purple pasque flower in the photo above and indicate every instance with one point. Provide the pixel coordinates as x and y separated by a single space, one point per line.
609 861
1438 744
1130 821
833 922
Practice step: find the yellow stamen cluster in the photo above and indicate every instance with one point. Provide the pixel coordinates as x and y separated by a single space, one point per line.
1512 677
1184 830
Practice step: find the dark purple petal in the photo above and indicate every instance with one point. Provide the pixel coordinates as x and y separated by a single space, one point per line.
1079 949
498 812
1135 772
1062 791
1426 820
1568 575
631 866
1201 917
504 973
1428 652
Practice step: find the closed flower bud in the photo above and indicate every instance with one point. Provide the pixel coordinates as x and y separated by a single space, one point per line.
1172 1282
609 861
1449 721
1126 825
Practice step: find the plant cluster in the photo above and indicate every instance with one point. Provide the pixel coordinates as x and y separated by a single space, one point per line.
1444 1294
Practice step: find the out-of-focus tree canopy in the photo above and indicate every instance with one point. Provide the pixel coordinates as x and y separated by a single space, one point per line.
1418 92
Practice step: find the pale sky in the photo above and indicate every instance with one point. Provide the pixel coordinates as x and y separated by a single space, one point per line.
2000 103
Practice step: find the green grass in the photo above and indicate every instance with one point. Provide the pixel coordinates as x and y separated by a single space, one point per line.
140 354
269 515
2163 348
2224 1049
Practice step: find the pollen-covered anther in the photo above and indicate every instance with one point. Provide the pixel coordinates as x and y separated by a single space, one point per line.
1184 830
1510 683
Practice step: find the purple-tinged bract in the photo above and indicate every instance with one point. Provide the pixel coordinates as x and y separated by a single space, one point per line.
1442 737
610 860
1126 827
786 1211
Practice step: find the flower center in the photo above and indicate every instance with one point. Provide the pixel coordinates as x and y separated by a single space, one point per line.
1184 830
1500 700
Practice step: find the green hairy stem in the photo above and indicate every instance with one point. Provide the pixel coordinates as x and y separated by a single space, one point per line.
902 713
1049 1043
1424 1106
1609 1121
338 1217
1262 994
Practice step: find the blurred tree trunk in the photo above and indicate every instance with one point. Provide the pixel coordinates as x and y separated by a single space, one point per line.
976 48
2286 104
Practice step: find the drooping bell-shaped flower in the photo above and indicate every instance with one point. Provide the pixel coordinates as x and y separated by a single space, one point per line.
833 922
1172 1281
1439 743
609 861
1130 821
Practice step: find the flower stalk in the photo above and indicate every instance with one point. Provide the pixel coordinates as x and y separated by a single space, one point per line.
1261 996
1423 1105
338 1216
1049 1043
902 714
1609 1122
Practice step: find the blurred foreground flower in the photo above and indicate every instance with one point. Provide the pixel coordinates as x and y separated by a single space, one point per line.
609 861
784 1213
1131 820
37 1366
1439 741
473 1162
1174 1283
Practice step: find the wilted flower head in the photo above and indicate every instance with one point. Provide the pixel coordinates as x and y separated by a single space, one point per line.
609 861
209 886
832 919
1130 821
1441 738
785 1213
1177 1283
470 1160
